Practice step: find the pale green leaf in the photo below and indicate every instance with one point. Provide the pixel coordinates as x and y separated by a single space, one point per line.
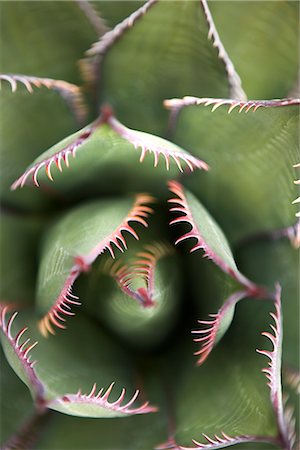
73 244
74 361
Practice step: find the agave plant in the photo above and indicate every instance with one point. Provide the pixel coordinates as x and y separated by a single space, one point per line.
144 115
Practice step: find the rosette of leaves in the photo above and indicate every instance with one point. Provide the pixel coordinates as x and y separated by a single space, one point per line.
139 118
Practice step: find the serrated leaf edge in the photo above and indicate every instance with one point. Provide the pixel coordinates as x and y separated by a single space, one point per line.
22 351
101 399
273 373
183 208
62 306
135 138
208 334
70 92
242 105
235 83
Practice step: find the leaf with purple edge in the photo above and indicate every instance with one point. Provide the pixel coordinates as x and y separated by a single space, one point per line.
207 234
250 155
137 296
28 126
210 238
87 155
70 364
73 244
227 398
151 47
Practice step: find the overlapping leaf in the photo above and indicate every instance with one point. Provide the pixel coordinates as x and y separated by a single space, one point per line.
71 365
251 36
102 153
228 396
137 296
18 252
73 244
37 42
251 156
163 51
209 237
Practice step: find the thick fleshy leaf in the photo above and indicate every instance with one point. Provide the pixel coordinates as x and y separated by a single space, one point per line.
34 122
104 150
260 38
130 433
270 261
206 232
210 238
73 244
228 394
250 155
137 297
18 252
69 365
163 51
16 403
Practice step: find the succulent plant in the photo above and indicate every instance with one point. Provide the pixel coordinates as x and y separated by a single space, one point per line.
130 333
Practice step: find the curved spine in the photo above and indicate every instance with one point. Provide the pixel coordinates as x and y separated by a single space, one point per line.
273 374
108 39
223 440
236 90
101 399
71 93
148 145
57 159
182 207
242 105
143 268
62 306
209 332
22 349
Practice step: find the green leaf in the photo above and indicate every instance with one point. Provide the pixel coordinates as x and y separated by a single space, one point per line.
37 42
165 53
130 433
249 155
270 261
16 403
137 297
106 151
74 361
260 39
208 235
73 244
228 394
18 252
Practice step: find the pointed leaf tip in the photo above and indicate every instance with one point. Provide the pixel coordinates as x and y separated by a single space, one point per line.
75 263
100 400
22 349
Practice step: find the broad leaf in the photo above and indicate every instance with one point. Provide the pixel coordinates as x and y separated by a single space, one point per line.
270 261
251 155
130 433
228 394
13 413
18 251
164 51
210 238
73 244
102 153
260 43
68 367
33 122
